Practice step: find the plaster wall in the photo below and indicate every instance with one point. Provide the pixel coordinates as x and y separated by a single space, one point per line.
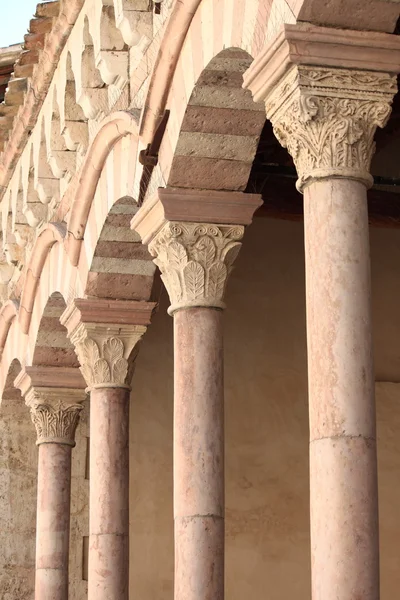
267 522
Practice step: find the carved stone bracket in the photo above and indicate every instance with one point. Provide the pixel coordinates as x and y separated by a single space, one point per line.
104 348
54 396
195 260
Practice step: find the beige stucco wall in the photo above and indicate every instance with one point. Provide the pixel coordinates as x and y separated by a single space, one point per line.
267 530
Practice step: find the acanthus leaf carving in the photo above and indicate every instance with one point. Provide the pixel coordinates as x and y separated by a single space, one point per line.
327 118
104 357
55 423
195 260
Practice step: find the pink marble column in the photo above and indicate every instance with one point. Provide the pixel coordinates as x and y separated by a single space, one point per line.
54 395
109 494
199 454
53 517
195 259
343 465
104 333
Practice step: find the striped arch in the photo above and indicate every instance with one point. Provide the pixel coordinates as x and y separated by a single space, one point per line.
96 253
53 348
214 125
220 129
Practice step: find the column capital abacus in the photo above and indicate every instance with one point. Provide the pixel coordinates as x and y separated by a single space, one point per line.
324 114
54 396
195 237
104 334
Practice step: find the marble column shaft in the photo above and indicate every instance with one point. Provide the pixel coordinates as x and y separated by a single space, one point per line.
199 454
53 521
195 260
109 494
343 465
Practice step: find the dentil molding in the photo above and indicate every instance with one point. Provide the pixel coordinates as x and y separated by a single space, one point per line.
195 260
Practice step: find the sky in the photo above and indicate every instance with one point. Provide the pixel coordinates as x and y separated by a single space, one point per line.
14 20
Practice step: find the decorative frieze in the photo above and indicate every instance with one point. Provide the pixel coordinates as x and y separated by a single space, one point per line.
327 117
195 260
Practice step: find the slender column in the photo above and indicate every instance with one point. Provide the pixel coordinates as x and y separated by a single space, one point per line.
104 335
55 414
343 469
199 454
327 117
195 261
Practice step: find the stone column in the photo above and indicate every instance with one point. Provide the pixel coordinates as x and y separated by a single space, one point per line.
195 260
326 117
105 334
54 396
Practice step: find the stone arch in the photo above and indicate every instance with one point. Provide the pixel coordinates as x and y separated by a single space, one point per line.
205 98
52 347
120 260
92 197
196 32
66 257
219 130
18 468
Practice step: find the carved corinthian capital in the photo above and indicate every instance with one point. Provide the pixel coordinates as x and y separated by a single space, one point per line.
327 117
195 260
54 396
55 423
103 354
105 334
